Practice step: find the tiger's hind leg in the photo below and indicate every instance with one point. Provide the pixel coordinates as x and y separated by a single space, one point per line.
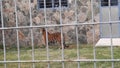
64 45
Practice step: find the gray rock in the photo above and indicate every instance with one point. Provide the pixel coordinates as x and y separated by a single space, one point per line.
53 17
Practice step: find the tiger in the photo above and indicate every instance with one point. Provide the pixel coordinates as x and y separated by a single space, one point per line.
53 37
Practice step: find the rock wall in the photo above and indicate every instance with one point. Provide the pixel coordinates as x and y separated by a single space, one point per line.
53 17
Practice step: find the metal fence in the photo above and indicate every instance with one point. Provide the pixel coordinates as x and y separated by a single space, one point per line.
78 60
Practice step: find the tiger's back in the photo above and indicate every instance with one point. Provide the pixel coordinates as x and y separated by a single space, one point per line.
54 37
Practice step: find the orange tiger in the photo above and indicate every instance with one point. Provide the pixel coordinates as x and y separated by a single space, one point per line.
53 37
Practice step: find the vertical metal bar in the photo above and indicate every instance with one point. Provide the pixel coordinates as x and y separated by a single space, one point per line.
18 45
119 16
60 10
47 47
31 30
111 41
112 57
78 49
94 49
52 4
100 18
45 14
3 34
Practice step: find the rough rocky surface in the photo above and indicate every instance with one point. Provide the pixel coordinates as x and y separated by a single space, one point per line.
85 33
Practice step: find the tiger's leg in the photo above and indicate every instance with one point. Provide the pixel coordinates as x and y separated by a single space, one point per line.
59 41
65 46
51 39
44 40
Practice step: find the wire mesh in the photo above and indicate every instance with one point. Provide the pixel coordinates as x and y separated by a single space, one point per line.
61 25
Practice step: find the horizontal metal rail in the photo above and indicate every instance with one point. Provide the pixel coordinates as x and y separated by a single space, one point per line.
79 60
59 25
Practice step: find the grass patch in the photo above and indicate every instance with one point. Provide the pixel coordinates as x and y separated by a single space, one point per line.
86 52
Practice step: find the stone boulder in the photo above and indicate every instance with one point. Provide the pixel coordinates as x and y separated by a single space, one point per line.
52 18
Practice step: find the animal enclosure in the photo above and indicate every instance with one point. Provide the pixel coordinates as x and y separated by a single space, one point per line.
58 34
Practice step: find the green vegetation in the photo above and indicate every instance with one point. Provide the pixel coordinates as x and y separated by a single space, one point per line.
86 52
